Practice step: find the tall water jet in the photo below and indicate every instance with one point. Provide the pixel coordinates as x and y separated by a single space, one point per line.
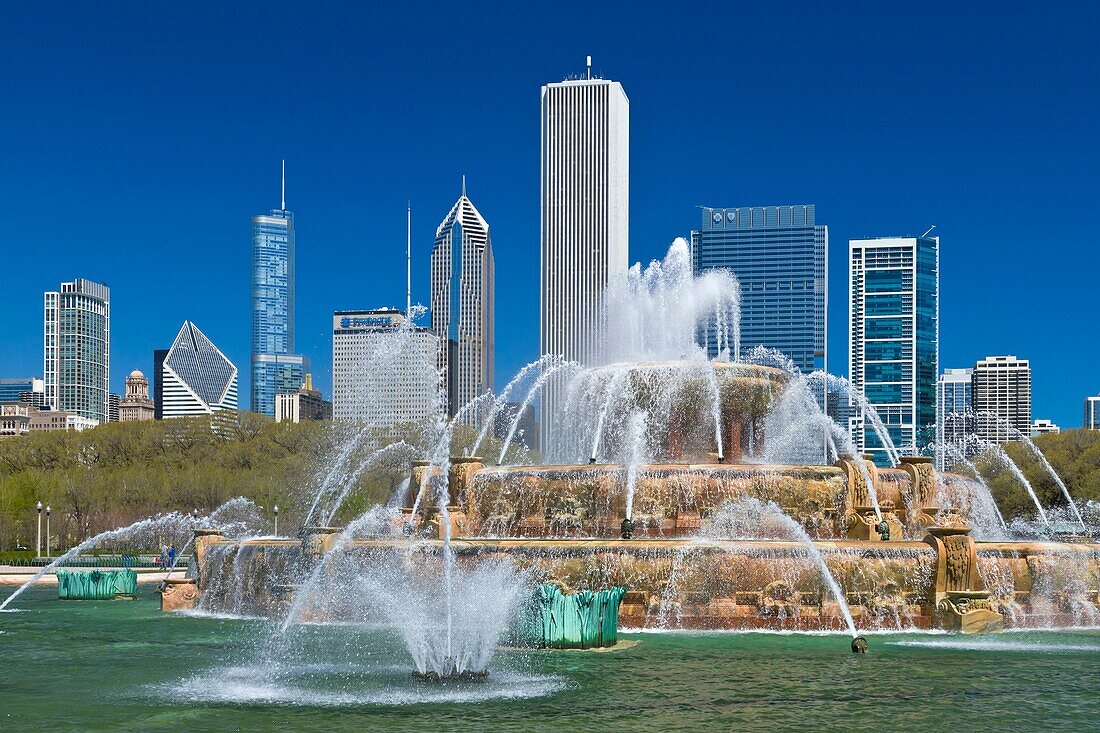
637 455
658 312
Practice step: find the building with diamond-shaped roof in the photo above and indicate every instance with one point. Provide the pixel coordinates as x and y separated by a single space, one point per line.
194 377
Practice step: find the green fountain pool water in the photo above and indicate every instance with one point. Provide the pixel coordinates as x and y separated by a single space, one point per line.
123 665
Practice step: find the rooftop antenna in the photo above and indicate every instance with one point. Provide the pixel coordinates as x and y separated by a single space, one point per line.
589 59
282 203
408 258
928 232
464 185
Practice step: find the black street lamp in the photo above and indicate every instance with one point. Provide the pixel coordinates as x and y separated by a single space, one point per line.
38 542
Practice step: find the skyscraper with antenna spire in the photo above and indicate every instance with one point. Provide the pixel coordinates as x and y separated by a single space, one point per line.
275 366
462 290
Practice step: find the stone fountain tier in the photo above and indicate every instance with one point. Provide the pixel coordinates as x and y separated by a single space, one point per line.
671 583
689 393
675 500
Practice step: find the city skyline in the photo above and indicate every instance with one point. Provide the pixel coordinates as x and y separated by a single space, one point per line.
983 252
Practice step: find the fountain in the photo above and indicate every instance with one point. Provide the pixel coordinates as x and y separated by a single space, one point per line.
712 490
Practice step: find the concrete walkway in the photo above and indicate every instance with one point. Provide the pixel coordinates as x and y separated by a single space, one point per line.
16 575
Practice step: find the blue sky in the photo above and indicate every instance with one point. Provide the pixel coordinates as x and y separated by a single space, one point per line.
137 139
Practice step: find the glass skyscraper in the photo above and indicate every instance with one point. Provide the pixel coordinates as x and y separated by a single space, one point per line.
12 389
780 256
275 366
954 416
77 354
894 340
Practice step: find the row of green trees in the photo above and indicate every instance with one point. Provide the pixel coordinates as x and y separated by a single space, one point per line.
118 473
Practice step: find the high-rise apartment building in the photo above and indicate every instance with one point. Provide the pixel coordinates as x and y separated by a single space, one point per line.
384 372
894 340
585 212
779 254
954 416
196 377
1002 398
135 404
77 358
275 366
1092 413
463 303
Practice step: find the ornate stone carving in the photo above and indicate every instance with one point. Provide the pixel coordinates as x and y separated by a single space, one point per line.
957 594
921 502
178 594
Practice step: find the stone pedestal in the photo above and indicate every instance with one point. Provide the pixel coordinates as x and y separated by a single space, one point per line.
957 595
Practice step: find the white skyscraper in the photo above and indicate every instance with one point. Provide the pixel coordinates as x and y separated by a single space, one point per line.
462 303
585 164
384 373
77 340
196 377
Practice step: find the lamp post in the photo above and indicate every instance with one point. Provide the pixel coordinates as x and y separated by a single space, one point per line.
38 542
276 520
48 530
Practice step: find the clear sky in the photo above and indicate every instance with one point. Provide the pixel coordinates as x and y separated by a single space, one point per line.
137 139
